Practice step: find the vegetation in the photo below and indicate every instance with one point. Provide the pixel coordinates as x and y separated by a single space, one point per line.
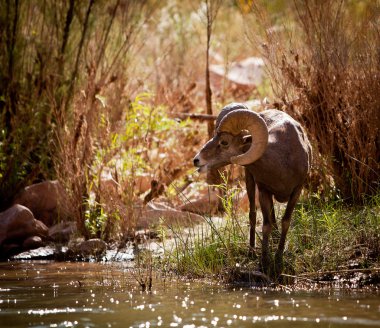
324 67
325 238
70 108
97 94
331 236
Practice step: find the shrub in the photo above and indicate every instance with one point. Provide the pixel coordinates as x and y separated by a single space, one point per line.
58 63
324 66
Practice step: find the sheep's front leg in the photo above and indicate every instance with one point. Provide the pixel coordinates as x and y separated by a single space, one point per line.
251 192
285 223
266 203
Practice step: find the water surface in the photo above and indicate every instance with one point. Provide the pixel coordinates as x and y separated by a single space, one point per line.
50 294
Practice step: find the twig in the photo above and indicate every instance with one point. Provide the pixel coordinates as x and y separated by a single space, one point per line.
200 117
308 274
301 278
212 8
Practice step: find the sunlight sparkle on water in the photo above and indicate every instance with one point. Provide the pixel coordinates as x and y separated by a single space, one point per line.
190 305
51 311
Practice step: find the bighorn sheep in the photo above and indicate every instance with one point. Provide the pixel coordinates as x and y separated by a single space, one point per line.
276 154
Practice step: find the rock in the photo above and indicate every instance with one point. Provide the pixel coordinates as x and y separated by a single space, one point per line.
20 231
210 203
244 201
206 205
45 253
18 223
248 72
32 242
61 232
7 250
155 214
88 248
47 200
240 78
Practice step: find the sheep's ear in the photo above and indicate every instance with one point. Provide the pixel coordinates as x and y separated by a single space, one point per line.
247 139
245 143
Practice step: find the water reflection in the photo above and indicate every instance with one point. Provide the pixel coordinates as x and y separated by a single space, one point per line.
48 294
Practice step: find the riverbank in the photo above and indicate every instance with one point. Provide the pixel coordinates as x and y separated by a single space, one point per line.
329 245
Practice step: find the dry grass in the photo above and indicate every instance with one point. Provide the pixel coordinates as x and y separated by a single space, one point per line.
324 66
65 91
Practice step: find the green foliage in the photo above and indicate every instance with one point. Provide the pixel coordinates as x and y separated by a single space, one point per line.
146 127
96 219
215 249
123 156
324 236
331 236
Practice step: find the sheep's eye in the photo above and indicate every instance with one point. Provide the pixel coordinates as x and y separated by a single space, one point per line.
224 143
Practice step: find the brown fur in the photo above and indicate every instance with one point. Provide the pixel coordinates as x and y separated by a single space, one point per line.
280 173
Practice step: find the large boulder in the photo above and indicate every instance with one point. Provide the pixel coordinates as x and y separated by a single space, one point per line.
20 231
47 200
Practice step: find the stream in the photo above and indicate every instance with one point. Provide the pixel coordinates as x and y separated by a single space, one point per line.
63 294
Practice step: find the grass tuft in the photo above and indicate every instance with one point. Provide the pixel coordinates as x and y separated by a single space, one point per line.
324 237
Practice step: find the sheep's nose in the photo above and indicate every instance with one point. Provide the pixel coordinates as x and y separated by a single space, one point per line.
196 162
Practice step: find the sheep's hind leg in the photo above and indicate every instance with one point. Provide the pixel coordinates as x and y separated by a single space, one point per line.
285 223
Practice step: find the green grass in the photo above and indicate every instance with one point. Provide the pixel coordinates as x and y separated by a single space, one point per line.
332 236
212 253
215 248
324 236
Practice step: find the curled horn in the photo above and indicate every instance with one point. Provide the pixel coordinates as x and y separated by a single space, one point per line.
227 109
242 119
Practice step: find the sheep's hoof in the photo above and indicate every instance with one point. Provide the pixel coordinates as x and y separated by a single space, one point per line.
272 267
